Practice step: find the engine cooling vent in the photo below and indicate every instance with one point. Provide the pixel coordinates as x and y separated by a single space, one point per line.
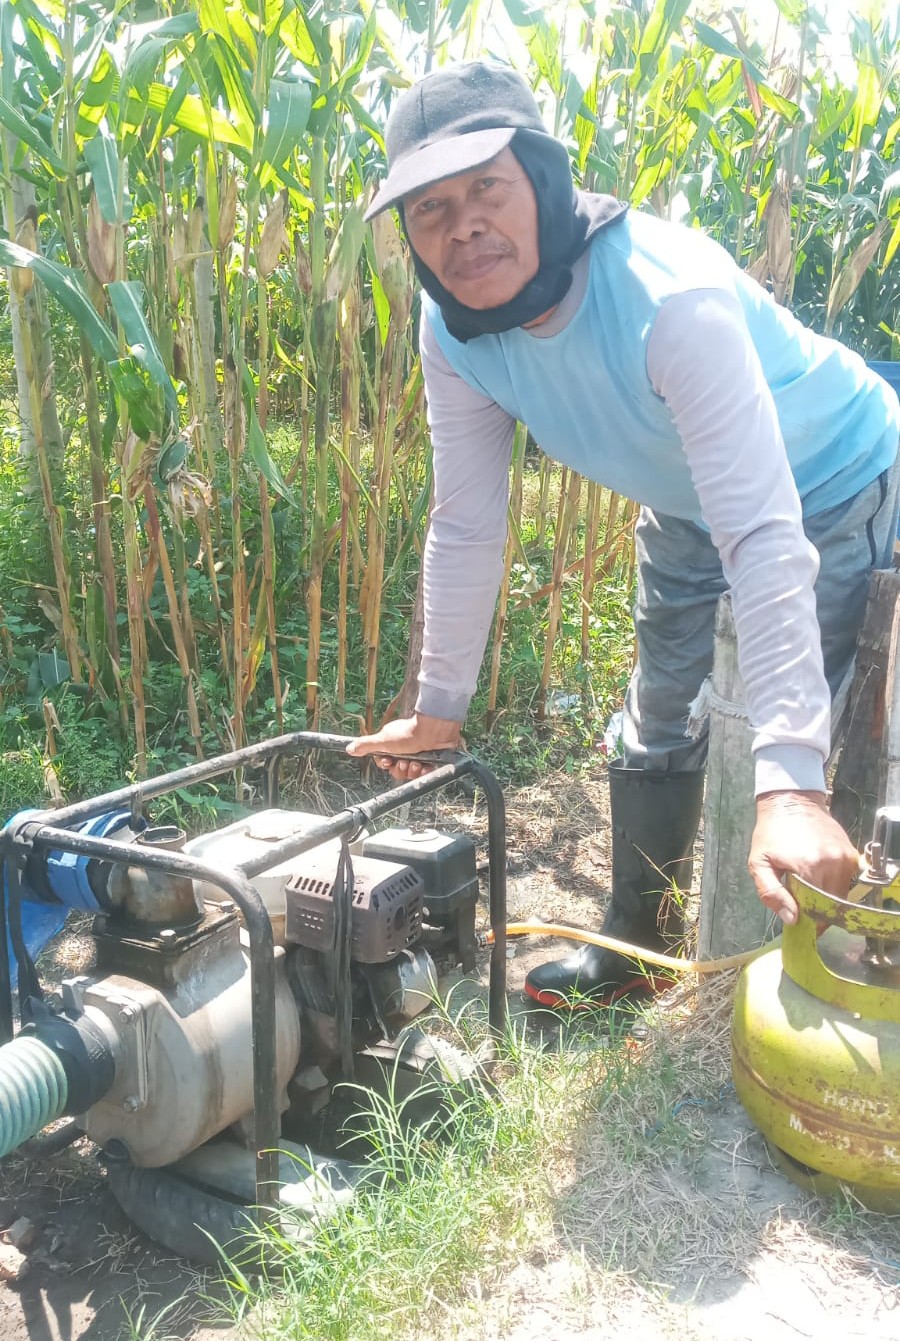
387 908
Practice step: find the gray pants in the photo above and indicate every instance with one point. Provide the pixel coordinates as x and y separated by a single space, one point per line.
679 582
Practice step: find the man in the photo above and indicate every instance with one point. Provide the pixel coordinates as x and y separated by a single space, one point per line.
639 354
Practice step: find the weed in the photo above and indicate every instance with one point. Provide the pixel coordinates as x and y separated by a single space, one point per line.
142 1326
21 780
453 1204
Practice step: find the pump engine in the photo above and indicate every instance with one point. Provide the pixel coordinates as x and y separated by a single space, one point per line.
170 1051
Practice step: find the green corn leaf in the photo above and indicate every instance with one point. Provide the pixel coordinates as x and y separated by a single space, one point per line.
141 66
178 25
831 114
892 247
244 37
358 479
300 42
363 119
214 18
544 48
7 48
96 96
171 459
710 38
887 148
141 393
416 516
358 48
283 177
68 289
793 10
790 111
177 96
417 15
271 14
868 103
90 50
188 113
35 37
258 450
523 13
127 298
288 114
665 18
243 112
890 186
26 131
102 157
380 304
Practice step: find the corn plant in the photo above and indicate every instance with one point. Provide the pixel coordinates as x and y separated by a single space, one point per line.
190 283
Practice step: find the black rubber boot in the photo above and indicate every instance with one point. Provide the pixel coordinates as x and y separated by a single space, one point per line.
654 822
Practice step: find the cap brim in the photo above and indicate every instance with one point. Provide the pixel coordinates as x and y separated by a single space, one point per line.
444 158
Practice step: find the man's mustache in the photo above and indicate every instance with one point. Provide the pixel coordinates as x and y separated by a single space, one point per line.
467 253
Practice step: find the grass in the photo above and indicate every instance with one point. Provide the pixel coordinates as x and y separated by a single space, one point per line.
601 1173
460 1205
595 1175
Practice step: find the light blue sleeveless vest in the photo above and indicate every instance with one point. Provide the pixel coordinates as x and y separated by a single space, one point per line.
585 395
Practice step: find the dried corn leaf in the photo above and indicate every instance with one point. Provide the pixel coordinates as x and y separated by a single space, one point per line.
101 243
344 253
228 196
779 250
393 270
196 226
26 236
856 265
273 240
303 267
179 238
758 268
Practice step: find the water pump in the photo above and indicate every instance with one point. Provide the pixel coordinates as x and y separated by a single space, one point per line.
240 978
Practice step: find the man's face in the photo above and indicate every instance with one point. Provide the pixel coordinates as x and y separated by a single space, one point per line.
478 231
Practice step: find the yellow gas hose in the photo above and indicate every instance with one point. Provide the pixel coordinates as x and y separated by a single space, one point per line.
624 948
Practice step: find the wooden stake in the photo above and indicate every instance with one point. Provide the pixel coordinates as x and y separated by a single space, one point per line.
868 773
870 758
731 915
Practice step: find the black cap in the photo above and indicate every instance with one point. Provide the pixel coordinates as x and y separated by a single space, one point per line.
450 121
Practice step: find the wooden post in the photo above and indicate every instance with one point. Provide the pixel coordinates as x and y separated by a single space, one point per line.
732 918
891 793
868 772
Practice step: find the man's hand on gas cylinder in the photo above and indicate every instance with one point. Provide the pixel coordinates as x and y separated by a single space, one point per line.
794 832
418 734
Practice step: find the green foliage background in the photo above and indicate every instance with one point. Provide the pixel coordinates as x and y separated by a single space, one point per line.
215 526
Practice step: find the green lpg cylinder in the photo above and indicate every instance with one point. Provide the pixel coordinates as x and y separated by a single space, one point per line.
816 1042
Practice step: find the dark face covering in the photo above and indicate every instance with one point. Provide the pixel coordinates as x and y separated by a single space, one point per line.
567 220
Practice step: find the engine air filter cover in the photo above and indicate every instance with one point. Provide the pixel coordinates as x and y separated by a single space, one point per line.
446 863
387 907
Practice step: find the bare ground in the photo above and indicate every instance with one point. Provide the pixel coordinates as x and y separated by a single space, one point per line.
685 1230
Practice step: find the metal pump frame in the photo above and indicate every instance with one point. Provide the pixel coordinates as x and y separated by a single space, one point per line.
47 831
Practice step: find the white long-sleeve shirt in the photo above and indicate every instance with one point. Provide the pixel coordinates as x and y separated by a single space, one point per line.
705 375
